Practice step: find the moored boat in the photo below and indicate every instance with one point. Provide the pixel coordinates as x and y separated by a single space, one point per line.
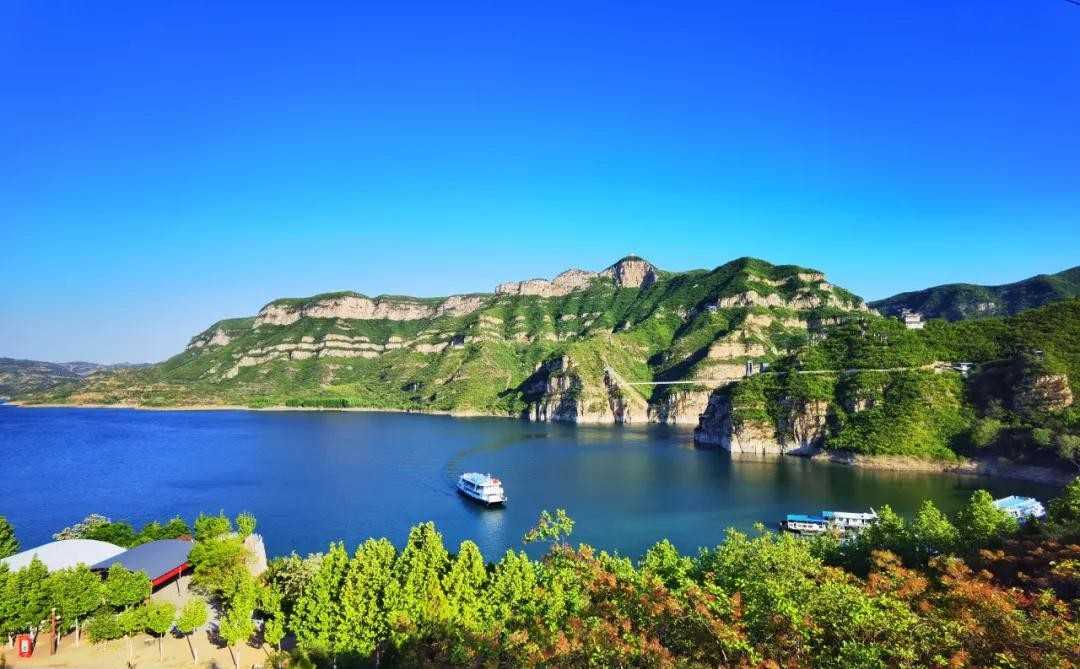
482 488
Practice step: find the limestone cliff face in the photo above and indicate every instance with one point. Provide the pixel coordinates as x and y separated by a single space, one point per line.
359 307
562 395
680 407
630 272
564 284
801 430
1045 392
216 337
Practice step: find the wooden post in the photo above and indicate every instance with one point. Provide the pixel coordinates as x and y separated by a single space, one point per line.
52 626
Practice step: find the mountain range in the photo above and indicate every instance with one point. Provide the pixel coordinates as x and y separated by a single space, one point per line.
759 357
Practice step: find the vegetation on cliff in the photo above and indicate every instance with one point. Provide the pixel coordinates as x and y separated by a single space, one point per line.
886 390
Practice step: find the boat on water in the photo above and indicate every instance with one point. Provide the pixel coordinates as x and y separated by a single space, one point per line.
482 488
845 522
1021 508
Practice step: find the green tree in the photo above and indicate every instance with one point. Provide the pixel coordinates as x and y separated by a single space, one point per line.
158 619
245 524
553 528
1063 513
931 533
415 599
980 523
76 592
192 616
269 603
9 545
27 597
511 593
464 585
131 621
125 588
216 560
103 627
665 563
315 619
235 628
363 623
212 527
1067 447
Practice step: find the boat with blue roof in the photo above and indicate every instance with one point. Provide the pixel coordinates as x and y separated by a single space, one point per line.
845 522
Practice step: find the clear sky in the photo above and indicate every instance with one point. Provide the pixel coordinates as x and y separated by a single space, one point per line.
168 164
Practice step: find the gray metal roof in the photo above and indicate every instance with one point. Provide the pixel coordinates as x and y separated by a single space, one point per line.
154 558
62 554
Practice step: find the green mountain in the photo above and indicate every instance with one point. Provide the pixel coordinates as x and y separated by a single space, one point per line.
981 387
761 358
956 301
569 348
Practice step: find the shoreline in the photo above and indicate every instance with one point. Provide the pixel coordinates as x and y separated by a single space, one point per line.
241 407
997 468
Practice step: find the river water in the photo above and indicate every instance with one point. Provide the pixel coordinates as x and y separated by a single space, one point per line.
313 477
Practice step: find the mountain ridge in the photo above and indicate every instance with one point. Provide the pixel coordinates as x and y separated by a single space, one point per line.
956 301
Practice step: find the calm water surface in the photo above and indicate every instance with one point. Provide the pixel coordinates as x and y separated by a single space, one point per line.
313 477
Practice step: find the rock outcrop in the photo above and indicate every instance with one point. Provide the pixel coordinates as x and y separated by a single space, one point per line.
1043 393
630 272
802 429
564 284
360 307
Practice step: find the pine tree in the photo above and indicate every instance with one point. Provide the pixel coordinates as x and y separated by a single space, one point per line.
363 625
318 609
9 545
511 590
415 599
464 585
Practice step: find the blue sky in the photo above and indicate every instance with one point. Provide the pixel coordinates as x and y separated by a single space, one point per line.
169 164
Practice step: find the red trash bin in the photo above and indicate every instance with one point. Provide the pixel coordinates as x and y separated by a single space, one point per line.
25 645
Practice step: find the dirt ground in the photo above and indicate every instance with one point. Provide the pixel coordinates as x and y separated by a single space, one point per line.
114 654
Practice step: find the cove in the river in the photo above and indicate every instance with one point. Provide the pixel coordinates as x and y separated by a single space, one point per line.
313 477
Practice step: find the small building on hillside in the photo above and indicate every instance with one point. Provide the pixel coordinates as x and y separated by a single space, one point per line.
912 320
162 560
57 555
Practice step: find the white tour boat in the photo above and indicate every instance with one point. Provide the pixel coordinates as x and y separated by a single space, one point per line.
483 488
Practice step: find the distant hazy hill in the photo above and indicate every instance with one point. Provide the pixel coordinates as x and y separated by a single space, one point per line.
18 377
956 301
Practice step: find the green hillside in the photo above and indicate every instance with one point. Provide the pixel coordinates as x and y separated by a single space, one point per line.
871 386
956 301
488 353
